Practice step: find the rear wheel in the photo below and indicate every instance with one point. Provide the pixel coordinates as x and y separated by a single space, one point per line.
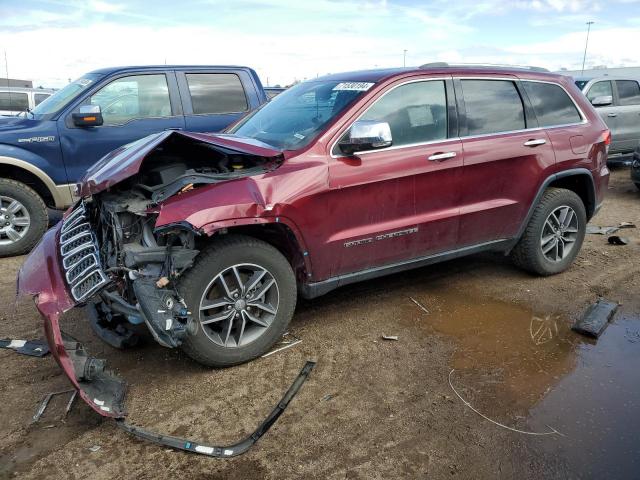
637 185
554 234
242 295
23 218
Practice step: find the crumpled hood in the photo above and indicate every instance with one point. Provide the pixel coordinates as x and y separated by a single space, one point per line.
125 161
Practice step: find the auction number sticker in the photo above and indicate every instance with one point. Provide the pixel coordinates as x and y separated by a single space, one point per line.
354 86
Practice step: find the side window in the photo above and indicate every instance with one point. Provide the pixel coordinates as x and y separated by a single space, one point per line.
216 93
493 106
14 101
551 104
128 98
600 89
628 92
38 98
416 112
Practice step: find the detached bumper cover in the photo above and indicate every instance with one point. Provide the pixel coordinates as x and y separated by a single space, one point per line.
41 276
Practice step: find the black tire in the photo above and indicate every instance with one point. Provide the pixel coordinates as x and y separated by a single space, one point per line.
38 217
637 185
220 255
528 253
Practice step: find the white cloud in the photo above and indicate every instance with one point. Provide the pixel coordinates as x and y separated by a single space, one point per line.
105 7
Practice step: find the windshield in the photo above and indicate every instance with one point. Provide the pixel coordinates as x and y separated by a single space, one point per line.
581 83
63 96
298 115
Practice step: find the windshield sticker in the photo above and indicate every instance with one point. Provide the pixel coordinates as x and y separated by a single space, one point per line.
83 82
354 86
298 136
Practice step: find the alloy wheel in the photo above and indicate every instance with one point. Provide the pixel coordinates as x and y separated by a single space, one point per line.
14 220
559 233
238 305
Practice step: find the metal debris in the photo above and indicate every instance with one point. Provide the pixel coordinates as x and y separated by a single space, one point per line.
593 229
420 306
390 337
627 225
47 398
286 344
596 318
95 448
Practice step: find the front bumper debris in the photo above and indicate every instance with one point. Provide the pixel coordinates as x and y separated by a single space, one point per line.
42 277
232 450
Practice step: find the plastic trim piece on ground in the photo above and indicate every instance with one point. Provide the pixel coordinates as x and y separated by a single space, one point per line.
232 450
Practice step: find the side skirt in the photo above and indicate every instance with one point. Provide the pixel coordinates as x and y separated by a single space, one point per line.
313 290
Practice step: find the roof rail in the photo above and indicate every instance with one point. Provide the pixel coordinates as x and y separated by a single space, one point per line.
487 65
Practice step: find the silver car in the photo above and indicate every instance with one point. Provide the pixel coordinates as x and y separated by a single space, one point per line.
617 100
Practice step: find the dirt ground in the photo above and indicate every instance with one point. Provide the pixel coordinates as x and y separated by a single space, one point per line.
372 408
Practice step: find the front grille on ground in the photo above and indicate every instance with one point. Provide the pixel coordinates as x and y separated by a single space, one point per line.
79 251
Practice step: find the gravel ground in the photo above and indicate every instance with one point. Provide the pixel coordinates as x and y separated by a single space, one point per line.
372 408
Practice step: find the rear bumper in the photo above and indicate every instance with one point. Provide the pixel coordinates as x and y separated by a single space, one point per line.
42 277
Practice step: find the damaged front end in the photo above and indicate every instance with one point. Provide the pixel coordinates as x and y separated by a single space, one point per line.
108 255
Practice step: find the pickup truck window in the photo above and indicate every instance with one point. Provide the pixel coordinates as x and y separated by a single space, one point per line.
628 92
136 96
14 101
416 112
63 96
600 89
551 104
493 106
295 117
216 93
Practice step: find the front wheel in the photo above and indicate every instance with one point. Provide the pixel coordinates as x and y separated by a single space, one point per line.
242 294
554 234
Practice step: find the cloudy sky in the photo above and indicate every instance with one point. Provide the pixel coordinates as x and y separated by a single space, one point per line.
51 41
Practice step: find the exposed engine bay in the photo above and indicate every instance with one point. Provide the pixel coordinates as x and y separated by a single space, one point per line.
139 265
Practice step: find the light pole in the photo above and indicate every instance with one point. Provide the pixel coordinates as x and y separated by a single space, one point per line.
584 57
404 57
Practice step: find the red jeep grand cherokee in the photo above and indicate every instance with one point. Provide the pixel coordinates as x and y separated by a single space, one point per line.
208 239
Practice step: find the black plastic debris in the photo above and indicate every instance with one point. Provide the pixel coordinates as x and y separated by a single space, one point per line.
33 348
232 450
596 318
616 240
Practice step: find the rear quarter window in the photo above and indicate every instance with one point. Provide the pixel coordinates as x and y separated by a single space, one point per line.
551 104
493 106
216 93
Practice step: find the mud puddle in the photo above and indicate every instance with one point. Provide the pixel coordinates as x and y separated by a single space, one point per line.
528 370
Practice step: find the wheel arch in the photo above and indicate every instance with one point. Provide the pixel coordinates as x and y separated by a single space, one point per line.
578 180
55 196
278 232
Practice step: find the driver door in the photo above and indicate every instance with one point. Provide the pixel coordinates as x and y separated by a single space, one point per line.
400 202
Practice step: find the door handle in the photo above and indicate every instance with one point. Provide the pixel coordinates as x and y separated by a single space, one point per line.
535 142
436 157
612 115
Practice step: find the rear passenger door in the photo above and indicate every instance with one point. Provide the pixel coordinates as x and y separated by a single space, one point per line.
214 99
502 159
628 111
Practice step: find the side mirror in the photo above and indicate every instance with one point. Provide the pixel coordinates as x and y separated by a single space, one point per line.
89 116
602 101
366 135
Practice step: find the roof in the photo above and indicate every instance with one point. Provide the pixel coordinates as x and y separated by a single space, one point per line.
111 70
439 68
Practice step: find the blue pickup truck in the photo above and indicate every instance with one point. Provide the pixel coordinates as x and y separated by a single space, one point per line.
43 153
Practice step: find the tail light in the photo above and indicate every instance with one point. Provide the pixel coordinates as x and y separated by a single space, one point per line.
607 137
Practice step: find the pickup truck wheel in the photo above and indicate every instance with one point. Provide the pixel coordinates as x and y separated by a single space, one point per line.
242 294
554 234
637 185
23 218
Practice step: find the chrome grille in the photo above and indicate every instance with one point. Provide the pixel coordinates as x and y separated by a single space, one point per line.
80 260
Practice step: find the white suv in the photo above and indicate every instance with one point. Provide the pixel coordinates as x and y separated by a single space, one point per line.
15 100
